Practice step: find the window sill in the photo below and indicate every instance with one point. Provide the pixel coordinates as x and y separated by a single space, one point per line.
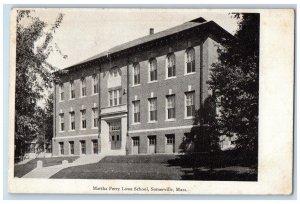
94 128
61 101
71 130
82 96
150 82
135 85
71 99
94 94
82 129
191 73
174 77
170 120
61 131
152 121
113 106
189 118
135 123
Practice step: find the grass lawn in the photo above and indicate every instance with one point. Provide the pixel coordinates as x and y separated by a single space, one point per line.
152 167
22 169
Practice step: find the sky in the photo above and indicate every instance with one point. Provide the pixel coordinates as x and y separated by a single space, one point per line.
84 33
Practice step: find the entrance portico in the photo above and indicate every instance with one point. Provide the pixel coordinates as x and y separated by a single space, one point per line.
113 130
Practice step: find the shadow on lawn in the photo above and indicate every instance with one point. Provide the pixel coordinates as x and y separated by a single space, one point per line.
221 166
211 163
219 175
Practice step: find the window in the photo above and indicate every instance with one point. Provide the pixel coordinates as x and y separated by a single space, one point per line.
136 141
136 74
95 84
72 88
83 87
190 104
95 146
62 122
83 148
95 117
170 107
111 98
61 148
190 60
152 140
72 120
153 69
115 126
153 109
61 92
115 134
116 93
171 68
136 112
170 139
71 144
83 119
115 97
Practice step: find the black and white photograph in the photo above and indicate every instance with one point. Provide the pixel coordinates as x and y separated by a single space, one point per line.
137 94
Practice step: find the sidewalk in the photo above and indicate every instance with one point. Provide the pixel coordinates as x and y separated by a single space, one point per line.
47 172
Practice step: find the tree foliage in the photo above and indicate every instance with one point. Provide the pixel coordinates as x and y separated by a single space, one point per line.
33 74
235 81
49 118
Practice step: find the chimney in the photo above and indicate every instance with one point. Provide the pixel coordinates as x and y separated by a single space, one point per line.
151 32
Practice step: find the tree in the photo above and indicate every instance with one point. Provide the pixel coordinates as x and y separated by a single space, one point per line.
48 120
33 74
235 82
45 126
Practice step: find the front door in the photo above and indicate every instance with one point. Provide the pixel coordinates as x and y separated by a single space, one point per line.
152 144
115 134
135 145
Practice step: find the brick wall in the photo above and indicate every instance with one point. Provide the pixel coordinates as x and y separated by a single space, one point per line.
77 147
205 54
87 102
160 89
